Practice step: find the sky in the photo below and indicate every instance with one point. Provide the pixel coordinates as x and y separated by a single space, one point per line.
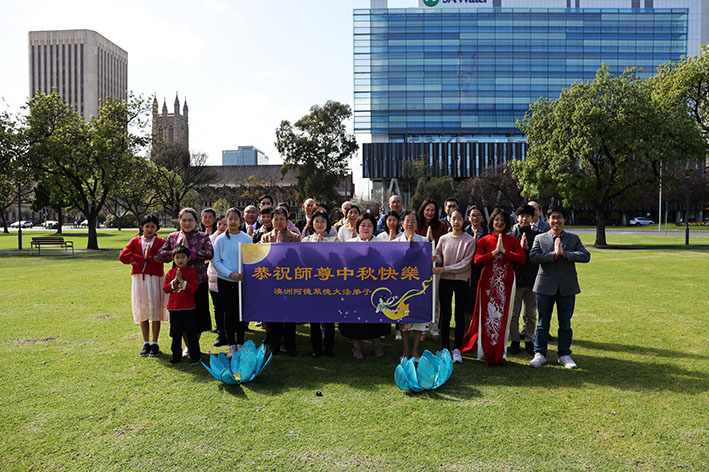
243 66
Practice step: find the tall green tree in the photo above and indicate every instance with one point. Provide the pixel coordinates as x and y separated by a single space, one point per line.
602 140
137 193
177 174
319 147
15 181
87 160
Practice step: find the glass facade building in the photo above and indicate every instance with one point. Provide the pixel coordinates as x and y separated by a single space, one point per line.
244 156
449 83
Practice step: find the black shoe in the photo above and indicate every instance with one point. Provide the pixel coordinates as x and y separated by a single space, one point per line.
329 354
146 350
220 342
154 350
529 347
175 360
514 347
197 362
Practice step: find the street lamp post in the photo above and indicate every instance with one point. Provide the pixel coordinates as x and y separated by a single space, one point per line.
19 217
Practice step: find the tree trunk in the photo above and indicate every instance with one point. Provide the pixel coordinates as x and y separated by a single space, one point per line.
93 236
60 219
600 228
4 223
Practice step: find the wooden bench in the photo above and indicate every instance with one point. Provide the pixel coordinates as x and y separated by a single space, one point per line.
57 241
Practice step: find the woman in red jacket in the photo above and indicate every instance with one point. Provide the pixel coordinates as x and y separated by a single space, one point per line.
148 300
497 251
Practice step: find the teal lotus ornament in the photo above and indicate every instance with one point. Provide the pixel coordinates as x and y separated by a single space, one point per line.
432 372
243 367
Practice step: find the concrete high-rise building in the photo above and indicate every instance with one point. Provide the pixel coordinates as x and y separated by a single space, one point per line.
81 65
171 127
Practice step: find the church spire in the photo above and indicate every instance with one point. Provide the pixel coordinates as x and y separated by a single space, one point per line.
185 109
177 105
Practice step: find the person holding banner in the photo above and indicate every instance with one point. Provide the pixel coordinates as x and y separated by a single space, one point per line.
409 236
278 331
498 251
227 253
455 252
318 228
365 227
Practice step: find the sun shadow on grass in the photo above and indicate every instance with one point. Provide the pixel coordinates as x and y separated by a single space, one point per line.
615 372
630 349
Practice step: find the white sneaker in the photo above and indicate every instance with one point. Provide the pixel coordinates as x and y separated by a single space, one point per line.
398 335
186 353
567 362
538 360
434 331
232 350
457 358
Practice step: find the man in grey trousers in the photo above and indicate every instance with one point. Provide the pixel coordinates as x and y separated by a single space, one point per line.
556 252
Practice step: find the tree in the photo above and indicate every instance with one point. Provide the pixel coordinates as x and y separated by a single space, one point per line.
14 178
494 187
603 140
221 206
136 194
87 161
177 174
45 195
319 147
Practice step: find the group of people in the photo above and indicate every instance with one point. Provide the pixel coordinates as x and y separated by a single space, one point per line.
484 275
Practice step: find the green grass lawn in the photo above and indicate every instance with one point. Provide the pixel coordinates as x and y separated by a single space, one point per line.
76 395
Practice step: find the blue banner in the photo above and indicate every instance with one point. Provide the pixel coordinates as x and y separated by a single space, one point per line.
376 282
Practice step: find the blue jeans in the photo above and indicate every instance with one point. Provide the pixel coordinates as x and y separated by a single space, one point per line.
564 311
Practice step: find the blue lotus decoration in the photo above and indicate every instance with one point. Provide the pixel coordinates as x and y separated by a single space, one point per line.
243 367
433 371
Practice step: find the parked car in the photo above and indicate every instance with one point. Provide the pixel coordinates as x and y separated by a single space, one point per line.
641 221
51 224
84 223
22 224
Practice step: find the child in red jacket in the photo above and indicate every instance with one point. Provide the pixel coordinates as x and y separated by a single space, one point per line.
181 283
146 296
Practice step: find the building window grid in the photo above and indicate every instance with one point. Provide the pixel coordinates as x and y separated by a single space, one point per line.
435 69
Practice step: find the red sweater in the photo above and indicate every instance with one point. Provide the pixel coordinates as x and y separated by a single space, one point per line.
487 244
181 299
133 254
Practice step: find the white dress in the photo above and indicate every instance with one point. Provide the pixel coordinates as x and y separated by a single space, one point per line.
148 301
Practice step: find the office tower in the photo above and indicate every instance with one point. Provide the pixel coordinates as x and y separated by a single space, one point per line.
448 80
81 65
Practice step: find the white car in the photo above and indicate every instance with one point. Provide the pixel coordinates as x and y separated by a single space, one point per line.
22 224
641 221
51 224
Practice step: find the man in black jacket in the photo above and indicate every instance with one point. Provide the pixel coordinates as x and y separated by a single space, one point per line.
525 274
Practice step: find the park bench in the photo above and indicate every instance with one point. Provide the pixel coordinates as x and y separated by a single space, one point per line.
57 241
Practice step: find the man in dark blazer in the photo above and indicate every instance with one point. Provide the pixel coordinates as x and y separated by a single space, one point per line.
556 252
